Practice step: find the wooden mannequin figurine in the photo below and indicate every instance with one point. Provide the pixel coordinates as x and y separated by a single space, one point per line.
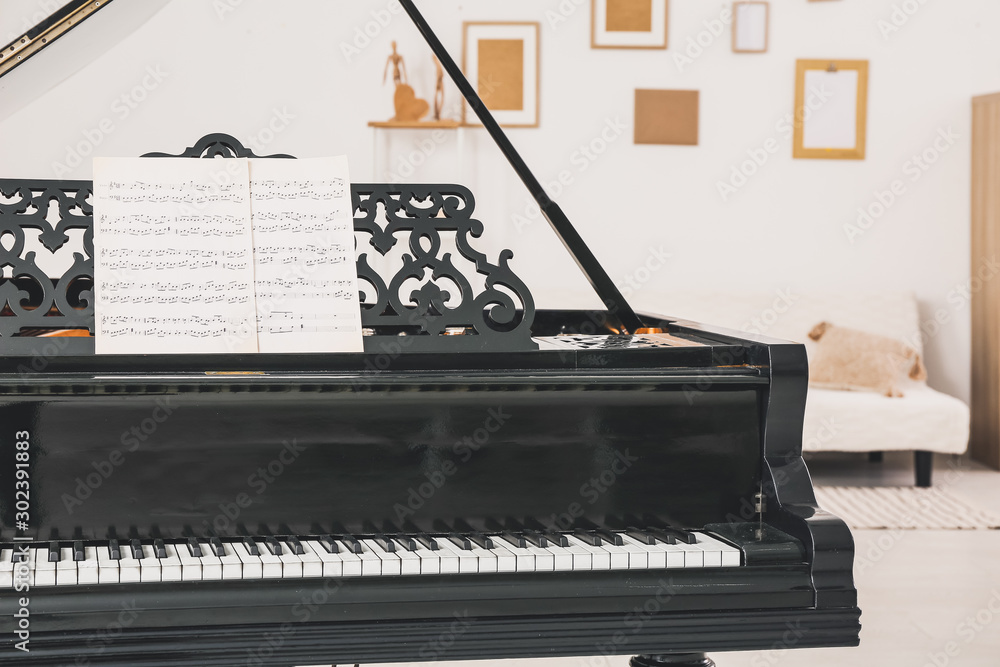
439 91
408 107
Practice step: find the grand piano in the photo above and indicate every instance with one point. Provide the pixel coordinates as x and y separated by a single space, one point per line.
487 480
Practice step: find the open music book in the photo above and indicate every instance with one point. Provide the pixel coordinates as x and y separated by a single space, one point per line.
224 256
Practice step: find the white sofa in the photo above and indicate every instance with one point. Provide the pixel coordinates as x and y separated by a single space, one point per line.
923 421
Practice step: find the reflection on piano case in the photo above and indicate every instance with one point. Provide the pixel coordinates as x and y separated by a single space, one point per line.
543 483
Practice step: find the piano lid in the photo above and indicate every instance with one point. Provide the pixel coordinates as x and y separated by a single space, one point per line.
622 316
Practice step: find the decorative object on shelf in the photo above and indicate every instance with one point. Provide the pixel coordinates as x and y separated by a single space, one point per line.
751 20
409 108
666 117
438 89
629 24
835 127
502 61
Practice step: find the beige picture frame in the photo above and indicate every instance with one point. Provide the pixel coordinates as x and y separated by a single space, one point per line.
502 61
751 26
831 124
629 24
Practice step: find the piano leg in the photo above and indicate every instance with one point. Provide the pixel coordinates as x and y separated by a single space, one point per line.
674 660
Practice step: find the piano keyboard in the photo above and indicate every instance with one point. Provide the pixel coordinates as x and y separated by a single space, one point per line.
150 561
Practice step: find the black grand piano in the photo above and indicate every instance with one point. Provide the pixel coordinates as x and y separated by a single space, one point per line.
487 480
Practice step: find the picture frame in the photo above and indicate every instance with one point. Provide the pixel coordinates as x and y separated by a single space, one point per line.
751 26
831 109
502 62
629 24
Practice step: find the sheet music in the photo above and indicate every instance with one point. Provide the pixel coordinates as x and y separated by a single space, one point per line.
173 254
306 276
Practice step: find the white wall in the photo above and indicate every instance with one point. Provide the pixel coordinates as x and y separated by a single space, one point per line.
785 229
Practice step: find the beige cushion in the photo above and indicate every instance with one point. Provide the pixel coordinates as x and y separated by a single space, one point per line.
857 360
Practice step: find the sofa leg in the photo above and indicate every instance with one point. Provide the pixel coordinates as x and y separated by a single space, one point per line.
875 457
924 463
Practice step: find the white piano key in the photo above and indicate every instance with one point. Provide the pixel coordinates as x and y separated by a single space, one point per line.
390 561
656 555
66 568
506 561
409 561
108 570
544 560
150 569
582 559
600 559
354 566
729 556
638 558
312 565
331 564
45 572
430 561
291 565
525 560
487 559
170 567
252 566
468 563
129 567
212 568
371 564
619 556
190 566
562 559
6 568
87 572
694 556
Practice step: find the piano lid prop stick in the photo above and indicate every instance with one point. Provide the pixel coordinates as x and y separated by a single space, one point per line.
574 243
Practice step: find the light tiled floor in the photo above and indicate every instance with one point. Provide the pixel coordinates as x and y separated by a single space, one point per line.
917 589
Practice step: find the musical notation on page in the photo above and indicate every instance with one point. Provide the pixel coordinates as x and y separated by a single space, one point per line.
306 280
173 255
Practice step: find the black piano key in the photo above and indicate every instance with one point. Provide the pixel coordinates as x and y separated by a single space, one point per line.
217 547
54 556
482 541
427 541
462 541
137 551
588 537
252 547
642 536
194 547
329 544
351 544
79 553
294 544
273 545
159 549
613 538
405 541
388 545
515 539
114 550
557 539
666 538
536 539
682 535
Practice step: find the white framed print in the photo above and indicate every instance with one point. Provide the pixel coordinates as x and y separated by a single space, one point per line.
750 26
501 61
629 24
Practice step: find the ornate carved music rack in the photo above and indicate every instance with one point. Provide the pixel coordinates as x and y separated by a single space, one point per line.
411 302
